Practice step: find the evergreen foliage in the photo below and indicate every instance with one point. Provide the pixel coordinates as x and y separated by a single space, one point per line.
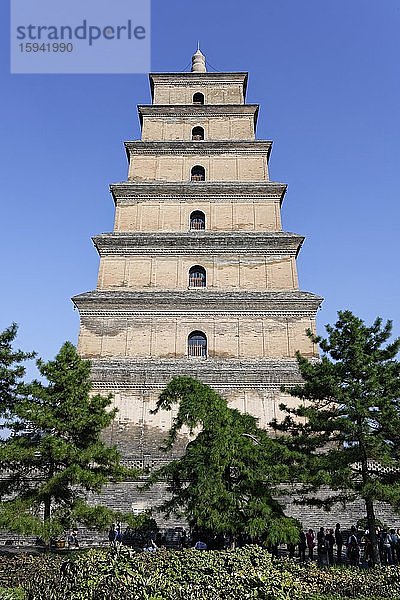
55 454
12 370
226 482
345 434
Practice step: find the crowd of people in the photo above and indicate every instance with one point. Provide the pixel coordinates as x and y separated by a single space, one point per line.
149 542
328 546
333 546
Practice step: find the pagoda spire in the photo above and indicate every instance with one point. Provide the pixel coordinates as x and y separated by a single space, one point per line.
199 61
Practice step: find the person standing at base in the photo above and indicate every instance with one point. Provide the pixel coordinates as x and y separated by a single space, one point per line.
112 535
353 548
322 549
291 549
339 543
330 542
387 547
394 540
127 536
72 539
398 546
302 546
310 537
368 554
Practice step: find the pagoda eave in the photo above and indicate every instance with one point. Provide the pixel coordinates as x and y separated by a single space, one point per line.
124 373
258 190
117 302
202 110
134 147
199 242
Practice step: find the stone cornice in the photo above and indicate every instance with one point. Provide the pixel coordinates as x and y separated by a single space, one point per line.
282 315
199 242
153 373
125 303
196 110
129 191
239 147
200 190
183 110
210 77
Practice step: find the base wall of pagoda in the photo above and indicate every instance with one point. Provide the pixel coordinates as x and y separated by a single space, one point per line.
127 496
251 386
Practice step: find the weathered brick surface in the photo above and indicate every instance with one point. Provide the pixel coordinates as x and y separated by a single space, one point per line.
217 124
217 88
219 166
167 336
128 496
174 216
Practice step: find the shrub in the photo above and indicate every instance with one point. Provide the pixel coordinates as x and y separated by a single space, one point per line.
12 594
246 573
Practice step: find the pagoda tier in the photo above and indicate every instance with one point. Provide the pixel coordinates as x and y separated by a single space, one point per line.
217 88
219 160
227 206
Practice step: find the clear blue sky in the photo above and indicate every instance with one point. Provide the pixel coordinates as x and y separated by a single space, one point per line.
326 74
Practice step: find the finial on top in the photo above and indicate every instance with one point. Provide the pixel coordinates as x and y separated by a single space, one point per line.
198 61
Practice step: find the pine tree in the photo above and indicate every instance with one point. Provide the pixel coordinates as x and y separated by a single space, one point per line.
12 370
55 454
345 433
226 482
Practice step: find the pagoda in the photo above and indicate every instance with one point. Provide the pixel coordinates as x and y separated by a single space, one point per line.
197 278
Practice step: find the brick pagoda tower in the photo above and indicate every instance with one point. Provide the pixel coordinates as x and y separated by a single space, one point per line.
197 277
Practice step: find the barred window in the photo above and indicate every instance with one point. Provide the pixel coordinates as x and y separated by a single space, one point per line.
198 173
197 133
198 98
197 276
197 220
197 344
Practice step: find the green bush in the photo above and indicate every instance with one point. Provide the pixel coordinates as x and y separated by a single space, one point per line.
347 582
12 594
246 573
19 570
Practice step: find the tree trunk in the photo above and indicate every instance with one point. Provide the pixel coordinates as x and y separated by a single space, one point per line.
47 508
376 559
46 517
369 505
47 500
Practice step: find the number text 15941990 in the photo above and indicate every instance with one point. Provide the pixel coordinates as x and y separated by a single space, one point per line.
53 47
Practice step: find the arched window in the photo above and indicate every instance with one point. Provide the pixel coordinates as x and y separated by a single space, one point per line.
198 173
198 98
197 344
197 133
197 277
197 220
